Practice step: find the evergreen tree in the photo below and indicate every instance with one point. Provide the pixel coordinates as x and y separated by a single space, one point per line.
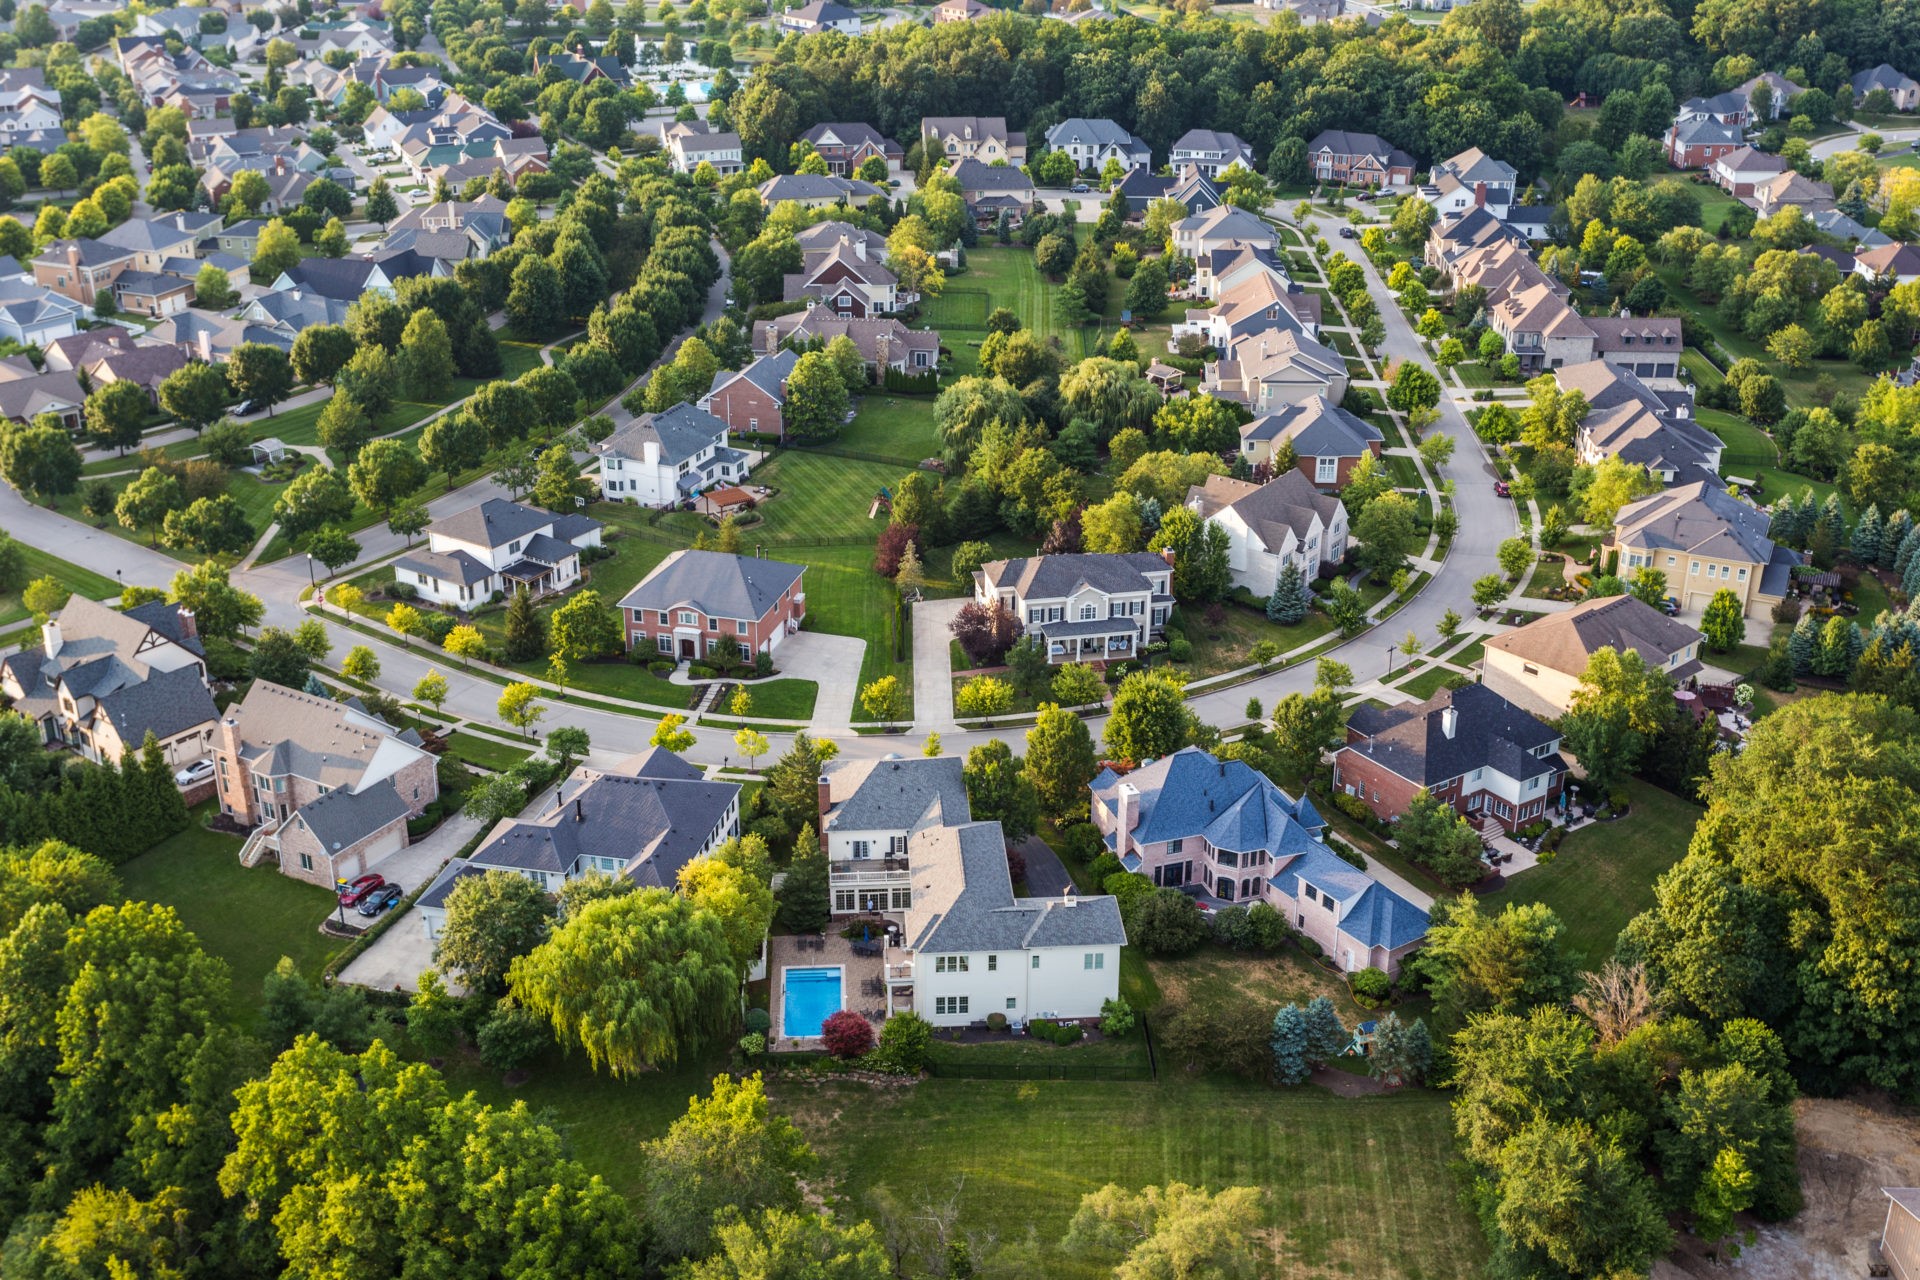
1401 1054
166 807
1830 525
1899 526
1840 647
1288 603
1910 578
1326 1034
1804 644
526 630
804 907
1909 547
1290 1046
1866 535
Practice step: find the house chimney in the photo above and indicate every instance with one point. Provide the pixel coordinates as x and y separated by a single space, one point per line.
1126 813
1479 195
50 637
1166 553
1449 721
73 254
189 626
826 796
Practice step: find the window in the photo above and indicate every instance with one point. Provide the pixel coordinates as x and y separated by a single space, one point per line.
1087 613
1036 615
1012 1003
862 849
1036 962
688 618
944 1006
1094 960
897 845
843 900
513 547
1693 567
950 964
993 964
663 643
306 862
901 899
1326 470
739 628
1176 846
663 618
713 624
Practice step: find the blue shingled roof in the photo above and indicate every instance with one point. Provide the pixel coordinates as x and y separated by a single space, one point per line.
1370 912
1190 793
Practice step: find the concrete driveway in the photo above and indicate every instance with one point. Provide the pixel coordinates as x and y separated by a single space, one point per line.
932 667
418 863
395 961
834 663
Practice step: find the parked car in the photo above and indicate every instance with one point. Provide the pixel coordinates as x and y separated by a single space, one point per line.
358 888
1500 489
1079 188
246 408
1348 233
381 900
198 771
1670 606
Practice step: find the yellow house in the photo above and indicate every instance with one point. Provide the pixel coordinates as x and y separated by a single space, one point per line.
1705 540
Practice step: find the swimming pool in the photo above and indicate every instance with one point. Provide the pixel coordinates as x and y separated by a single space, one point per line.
811 997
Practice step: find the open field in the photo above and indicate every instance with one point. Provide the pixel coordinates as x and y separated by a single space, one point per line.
821 500
1603 875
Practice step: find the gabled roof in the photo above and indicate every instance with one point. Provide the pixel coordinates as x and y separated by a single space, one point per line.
815 186
1890 259
1227 222
895 793
456 567
714 583
1565 641
161 235
963 899
1697 518
1057 577
1367 911
1192 793
1705 131
1880 77
1318 428
1474 165
851 134
1750 160
345 817
1732 102
681 432
1487 731
1345 142
88 252
1080 131
821 12
343 278
1212 141
769 373
493 523
978 176
825 235
1286 504
284 731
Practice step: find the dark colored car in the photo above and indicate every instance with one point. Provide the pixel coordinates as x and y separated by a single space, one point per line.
357 890
1348 233
1670 606
246 408
1500 488
380 900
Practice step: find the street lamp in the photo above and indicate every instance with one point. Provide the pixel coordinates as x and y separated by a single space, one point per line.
310 582
1389 660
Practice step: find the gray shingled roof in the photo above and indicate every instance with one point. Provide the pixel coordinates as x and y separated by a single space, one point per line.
342 818
456 566
164 704
1565 641
1079 130
681 432
493 523
1055 577
717 584
769 373
1488 732
895 793
963 899
1318 428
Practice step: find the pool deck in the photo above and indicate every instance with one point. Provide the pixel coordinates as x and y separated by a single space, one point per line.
785 953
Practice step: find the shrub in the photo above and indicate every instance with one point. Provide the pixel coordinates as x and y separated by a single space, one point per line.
847 1035
903 1045
1346 852
759 1021
1179 649
1266 926
701 671
752 1045
403 591
1166 922
1231 928
1353 806
1061 1033
996 1021
1083 842
1370 987
1116 1017
1103 866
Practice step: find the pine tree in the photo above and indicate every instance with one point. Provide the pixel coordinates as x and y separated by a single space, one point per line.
1834 658
1804 644
910 576
1326 1034
1289 1044
526 631
1866 535
1910 580
1830 525
1899 526
1288 603
167 806
803 895
1401 1054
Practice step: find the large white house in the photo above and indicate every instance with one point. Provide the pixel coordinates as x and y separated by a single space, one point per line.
497 546
1269 525
868 809
1092 143
661 458
1085 606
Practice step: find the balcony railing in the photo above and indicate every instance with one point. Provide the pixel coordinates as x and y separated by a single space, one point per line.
888 868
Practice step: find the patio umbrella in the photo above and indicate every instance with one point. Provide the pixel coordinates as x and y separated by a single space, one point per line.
863 934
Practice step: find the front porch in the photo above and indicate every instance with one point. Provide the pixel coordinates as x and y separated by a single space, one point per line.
1095 640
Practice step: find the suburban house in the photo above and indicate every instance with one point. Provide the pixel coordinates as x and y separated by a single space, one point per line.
1274 368
1742 169
1705 540
27 105
644 819
814 190
154 242
1085 607
820 15
753 398
81 269
151 294
1258 304
660 459
1493 762
1210 152
845 147
868 811
1887 265
1773 194
1092 143
847 278
960 11
1328 442
1697 141
1471 180
982 138
1648 347
497 546
884 343
1313 12
993 190
325 785
690 143
693 598
1200 234
34 315
969 947
1784 91
146 367
101 680
1225 267
1538 667
1286 520
1192 820
24 397
1628 421
1902 88
1358 160
1541 327
1141 187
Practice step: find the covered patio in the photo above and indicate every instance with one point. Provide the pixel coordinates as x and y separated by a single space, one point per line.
1092 640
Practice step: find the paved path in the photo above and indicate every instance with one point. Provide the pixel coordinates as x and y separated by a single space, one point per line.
932 666
1046 875
834 663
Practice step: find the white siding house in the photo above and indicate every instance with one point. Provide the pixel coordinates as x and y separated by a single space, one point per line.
497 546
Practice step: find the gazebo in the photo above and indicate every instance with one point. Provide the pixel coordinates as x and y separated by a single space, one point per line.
272 449
1164 376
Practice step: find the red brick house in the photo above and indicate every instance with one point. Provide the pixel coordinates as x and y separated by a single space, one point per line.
693 598
1358 160
1328 442
753 398
1494 763
81 269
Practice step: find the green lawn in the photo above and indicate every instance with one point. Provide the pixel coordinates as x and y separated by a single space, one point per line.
485 752
1603 875
1715 205
1799 384
788 699
248 916
1226 647
1006 277
39 564
1752 454
821 499
892 426
1427 683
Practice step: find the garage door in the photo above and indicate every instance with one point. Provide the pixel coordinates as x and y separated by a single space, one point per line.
1697 601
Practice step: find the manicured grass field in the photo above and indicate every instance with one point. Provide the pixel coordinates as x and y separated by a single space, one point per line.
1427 683
893 426
1603 875
821 499
485 752
1715 205
1357 1186
71 576
1751 453
1799 384
248 916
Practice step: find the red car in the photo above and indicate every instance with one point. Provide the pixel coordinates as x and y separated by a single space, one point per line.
360 888
1500 488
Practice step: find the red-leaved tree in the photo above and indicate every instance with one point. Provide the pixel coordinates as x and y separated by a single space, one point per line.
986 632
892 545
847 1035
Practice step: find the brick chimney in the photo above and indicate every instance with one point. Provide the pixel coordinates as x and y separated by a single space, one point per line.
189 626
73 254
826 796
1479 195
1166 553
